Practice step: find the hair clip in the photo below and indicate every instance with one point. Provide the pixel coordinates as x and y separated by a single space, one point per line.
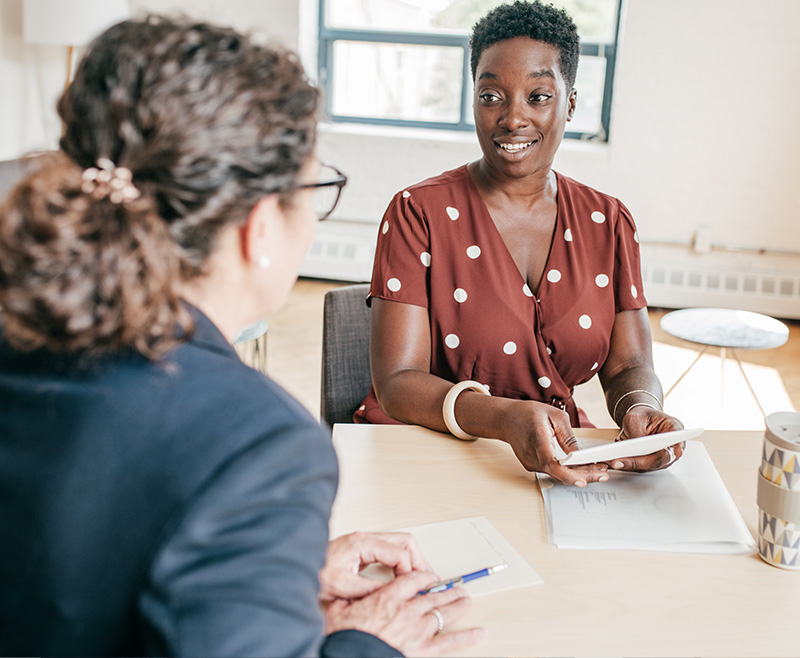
108 180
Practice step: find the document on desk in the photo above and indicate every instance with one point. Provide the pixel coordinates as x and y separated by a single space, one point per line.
684 508
461 546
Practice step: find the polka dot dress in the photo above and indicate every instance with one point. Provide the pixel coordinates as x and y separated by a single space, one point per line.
438 248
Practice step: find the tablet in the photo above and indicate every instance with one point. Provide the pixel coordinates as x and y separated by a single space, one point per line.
643 445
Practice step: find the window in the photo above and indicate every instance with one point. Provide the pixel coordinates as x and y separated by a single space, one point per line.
406 62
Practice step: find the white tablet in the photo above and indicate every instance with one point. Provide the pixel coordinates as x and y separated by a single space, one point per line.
643 445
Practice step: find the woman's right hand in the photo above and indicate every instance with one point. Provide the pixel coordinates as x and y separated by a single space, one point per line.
533 429
405 621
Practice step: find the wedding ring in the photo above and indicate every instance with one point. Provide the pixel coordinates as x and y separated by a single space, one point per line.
439 619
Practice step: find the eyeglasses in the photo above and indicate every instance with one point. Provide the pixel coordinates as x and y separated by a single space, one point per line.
327 191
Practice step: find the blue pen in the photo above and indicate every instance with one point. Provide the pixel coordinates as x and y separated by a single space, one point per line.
449 584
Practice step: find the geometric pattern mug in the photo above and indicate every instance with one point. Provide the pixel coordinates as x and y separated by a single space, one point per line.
779 491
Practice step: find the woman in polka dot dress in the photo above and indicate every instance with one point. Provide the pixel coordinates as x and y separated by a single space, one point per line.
509 274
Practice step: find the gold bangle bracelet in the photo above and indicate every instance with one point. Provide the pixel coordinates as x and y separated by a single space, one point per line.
639 404
624 395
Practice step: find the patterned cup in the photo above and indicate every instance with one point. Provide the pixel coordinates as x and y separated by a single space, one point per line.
779 492
780 458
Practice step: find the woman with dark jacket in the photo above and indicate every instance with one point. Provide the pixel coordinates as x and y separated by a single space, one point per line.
157 496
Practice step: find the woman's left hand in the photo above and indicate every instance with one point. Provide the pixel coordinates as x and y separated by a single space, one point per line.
348 555
642 421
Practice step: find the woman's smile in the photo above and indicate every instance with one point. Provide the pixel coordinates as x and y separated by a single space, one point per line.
515 148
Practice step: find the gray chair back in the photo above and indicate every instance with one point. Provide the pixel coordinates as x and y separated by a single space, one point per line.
13 171
346 378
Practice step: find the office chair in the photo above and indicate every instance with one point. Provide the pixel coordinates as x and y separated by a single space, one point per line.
13 171
346 378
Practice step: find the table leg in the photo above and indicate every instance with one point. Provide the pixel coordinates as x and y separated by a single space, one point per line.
260 356
685 372
755 397
253 352
722 354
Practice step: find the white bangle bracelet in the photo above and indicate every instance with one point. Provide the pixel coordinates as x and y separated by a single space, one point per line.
449 406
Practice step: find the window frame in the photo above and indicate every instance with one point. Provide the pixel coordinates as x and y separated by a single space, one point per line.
328 36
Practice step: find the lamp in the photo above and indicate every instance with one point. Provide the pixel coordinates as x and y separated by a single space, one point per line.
69 23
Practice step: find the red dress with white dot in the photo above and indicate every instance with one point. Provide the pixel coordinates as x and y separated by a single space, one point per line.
438 247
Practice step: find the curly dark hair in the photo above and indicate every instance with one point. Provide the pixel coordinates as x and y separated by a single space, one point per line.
529 19
208 123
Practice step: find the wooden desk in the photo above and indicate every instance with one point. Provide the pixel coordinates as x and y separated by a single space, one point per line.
592 603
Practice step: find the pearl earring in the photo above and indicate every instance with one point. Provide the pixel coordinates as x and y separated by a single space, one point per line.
264 262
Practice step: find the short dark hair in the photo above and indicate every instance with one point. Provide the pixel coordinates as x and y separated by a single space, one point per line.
529 19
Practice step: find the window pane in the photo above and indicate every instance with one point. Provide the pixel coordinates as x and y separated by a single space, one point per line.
394 81
596 19
589 83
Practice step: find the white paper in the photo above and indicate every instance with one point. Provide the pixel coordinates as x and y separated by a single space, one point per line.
643 445
455 548
684 508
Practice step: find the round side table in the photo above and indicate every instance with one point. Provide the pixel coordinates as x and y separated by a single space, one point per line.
251 345
727 329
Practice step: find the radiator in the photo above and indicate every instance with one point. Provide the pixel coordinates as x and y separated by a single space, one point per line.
341 251
674 277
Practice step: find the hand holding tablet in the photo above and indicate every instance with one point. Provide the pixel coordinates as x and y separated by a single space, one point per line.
643 445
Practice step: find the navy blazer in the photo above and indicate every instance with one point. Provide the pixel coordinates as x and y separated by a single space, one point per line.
173 508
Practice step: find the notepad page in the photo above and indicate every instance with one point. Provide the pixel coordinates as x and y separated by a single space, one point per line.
461 546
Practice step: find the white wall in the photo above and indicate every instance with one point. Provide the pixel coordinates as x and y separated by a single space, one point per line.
704 129
266 20
32 77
